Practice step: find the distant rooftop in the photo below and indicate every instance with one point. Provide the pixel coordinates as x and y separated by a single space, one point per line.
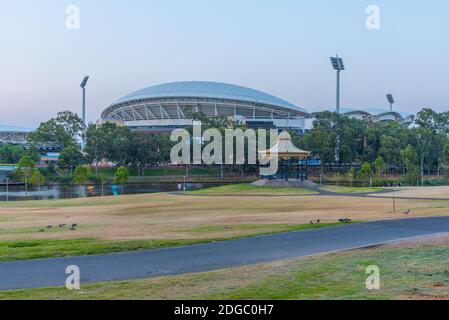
374 111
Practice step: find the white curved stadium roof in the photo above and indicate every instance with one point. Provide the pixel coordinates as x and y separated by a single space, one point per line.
374 111
378 114
205 89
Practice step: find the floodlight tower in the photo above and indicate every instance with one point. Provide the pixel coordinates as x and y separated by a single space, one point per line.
338 65
390 100
83 86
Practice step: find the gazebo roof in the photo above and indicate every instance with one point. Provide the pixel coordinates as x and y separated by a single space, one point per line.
285 149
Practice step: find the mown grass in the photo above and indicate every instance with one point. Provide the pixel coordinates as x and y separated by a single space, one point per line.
341 189
36 249
405 273
245 189
262 229
416 273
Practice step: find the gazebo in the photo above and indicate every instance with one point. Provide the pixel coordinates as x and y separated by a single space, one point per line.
288 155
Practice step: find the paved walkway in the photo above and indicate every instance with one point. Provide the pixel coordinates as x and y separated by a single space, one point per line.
213 256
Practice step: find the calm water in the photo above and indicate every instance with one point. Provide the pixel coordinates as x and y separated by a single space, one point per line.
17 193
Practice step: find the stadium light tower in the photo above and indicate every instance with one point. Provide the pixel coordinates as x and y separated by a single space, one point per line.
390 100
338 65
83 86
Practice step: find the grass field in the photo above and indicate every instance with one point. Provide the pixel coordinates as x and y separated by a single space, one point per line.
133 222
426 192
340 189
36 249
245 189
406 273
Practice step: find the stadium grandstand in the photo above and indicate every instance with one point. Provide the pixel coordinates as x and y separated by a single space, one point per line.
13 134
167 106
378 115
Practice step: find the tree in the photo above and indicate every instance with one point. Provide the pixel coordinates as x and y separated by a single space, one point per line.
143 151
379 165
11 154
67 129
424 139
82 174
410 159
37 179
318 141
108 141
365 172
70 158
433 121
25 170
121 176
102 178
390 150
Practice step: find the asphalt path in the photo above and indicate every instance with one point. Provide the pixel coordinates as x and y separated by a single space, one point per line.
213 256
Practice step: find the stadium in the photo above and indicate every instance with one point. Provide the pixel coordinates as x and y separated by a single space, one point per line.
13 135
378 115
167 106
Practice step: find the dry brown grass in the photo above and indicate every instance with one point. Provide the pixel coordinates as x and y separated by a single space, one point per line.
168 216
418 192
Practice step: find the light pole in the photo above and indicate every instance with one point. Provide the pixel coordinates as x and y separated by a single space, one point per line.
338 65
83 87
7 189
421 147
390 101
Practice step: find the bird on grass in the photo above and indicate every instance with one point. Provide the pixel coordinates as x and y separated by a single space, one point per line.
406 212
74 225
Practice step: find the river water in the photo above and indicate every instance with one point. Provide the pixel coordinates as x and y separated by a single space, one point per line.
17 193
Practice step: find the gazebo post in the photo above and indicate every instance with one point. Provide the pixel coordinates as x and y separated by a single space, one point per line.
298 165
307 169
286 169
302 171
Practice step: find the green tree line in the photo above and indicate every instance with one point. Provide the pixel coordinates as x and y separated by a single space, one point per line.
374 148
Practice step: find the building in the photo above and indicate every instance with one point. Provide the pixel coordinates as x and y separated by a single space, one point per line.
48 159
378 115
13 134
167 106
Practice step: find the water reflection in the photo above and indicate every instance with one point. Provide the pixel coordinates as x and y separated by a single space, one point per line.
17 193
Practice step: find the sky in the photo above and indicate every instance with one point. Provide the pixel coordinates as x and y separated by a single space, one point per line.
281 47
